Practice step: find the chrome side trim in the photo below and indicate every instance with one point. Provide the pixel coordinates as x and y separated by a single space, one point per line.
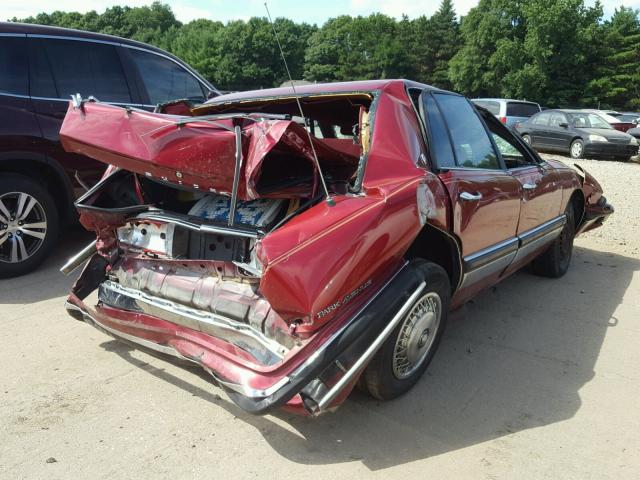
538 237
15 95
490 254
542 230
499 256
369 352
68 37
244 336
248 391
493 266
168 350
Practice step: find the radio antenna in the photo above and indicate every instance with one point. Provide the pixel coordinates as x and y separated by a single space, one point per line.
329 200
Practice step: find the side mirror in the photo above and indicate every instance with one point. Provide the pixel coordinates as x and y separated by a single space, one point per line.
211 94
563 125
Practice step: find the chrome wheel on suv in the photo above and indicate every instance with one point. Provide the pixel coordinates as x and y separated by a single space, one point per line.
23 226
28 224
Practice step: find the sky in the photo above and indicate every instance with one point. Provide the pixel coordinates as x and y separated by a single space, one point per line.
300 11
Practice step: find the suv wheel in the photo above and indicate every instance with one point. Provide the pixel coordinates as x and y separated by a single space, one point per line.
28 224
404 357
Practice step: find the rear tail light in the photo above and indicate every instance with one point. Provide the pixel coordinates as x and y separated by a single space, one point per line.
503 120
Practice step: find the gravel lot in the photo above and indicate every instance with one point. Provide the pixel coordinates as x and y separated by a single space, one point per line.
621 184
536 378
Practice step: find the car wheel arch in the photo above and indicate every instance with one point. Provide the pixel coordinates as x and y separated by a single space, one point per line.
577 200
47 172
440 247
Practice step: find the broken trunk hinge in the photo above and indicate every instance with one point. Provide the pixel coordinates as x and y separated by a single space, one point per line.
236 176
78 102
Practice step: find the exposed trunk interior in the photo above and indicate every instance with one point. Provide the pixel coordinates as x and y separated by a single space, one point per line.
181 220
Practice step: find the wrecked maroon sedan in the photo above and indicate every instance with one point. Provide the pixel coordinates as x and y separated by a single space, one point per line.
293 257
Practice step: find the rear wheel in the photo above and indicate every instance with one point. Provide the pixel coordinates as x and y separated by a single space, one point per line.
28 224
577 149
405 355
555 261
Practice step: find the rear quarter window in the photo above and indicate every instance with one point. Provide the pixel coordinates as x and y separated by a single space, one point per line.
521 109
166 80
541 119
14 78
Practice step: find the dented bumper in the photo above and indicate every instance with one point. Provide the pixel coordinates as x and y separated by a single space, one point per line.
308 380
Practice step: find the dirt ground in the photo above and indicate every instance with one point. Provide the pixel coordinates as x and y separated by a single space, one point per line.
534 379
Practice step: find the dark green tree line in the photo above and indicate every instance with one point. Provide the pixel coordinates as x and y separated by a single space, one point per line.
556 52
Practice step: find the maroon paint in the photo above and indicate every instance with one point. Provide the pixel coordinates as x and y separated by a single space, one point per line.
326 252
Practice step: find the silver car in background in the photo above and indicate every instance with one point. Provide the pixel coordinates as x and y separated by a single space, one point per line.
507 110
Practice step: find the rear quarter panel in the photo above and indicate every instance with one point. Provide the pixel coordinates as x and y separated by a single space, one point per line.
329 254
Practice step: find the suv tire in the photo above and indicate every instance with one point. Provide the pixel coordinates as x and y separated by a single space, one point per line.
29 224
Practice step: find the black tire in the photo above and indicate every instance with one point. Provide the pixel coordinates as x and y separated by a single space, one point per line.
555 261
576 150
380 377
527 139
43 211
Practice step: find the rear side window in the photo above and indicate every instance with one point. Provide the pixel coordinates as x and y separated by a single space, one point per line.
556 119
493 107
166 80
541 119
471 143
87 68
14 77
440 144
41 79
521 109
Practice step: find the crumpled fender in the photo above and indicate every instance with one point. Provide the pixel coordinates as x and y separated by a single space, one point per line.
590 187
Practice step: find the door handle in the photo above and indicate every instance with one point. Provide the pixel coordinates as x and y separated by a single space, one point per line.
529 186
470 196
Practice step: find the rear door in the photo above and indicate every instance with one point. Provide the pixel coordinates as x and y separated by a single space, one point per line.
541 188
60 68
559 135
19 130
540 129
485 198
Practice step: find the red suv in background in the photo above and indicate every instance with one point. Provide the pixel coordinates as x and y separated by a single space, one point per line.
41 68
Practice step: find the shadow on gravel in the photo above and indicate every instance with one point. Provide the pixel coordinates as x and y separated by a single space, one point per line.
513 359
47 281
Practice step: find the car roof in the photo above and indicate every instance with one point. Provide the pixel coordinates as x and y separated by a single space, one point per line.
318 88
32 29
565 110
504 100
